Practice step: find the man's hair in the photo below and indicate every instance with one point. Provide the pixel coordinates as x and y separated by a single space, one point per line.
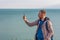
42 11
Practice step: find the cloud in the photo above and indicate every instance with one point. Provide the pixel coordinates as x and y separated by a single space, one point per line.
57 6
27 3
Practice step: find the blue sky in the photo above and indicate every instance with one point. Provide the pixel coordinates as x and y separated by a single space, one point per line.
29 3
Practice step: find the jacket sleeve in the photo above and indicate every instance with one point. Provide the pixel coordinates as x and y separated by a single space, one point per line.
50 28
31 23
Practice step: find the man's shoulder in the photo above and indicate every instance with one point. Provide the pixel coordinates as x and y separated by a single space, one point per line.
49 22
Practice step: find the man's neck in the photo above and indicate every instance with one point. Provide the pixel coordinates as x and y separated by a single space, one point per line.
43 18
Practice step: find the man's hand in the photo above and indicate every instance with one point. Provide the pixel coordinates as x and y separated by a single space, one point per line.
47 38
24 18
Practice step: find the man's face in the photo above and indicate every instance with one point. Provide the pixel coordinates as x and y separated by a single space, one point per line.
41 15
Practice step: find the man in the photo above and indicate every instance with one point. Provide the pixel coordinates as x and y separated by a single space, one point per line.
45 29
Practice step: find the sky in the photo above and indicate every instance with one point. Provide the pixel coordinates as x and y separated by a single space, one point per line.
29 3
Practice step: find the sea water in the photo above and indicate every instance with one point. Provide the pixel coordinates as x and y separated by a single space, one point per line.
12 26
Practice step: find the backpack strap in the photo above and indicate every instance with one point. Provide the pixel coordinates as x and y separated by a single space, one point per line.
47 26
46 19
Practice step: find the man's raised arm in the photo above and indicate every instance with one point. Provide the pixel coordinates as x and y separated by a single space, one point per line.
30 23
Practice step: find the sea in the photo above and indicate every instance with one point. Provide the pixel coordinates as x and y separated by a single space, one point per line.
13 27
